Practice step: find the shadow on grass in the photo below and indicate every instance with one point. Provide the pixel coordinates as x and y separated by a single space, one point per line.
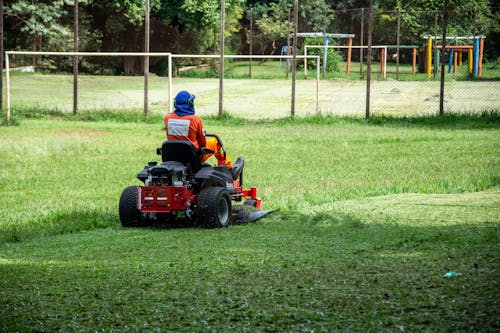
57 223
329 270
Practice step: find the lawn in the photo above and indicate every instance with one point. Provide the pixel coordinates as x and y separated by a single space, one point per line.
256 99
371 215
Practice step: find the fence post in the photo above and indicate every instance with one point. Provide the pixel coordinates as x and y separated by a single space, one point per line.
349 52
361 41
294 58
1 54
7 81
75 58
146 59
221 74
369 59
251 44
441 90
170 82
397 41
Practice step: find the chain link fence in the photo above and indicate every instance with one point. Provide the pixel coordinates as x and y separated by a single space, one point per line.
407 56
406 63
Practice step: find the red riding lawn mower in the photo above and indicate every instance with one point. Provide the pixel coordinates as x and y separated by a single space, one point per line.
182 187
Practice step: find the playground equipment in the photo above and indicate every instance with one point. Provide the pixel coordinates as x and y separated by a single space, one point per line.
474 54
327 37
349 47
287 51
383 55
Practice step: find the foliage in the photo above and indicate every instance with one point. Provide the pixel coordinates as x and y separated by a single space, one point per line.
333 60
273 24
315 15
33 19
193 26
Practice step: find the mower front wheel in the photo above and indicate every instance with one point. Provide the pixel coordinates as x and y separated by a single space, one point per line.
130 216
214 207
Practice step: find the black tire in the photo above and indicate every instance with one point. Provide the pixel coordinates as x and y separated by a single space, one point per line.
130 216
214 208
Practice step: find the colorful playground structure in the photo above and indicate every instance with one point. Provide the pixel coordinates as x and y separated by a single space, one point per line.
474 54
349 47
455 52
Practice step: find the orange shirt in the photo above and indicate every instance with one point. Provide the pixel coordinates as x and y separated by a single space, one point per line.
185 128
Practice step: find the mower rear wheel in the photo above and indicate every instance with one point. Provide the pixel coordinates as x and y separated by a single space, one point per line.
214 207
130 216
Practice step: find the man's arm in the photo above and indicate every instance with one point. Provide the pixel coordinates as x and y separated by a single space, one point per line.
201 134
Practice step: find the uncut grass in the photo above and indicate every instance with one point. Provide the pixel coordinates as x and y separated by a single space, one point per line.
58 176
363 265
336 257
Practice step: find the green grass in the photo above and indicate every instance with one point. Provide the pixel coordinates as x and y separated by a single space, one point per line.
245 98
275 69
372 214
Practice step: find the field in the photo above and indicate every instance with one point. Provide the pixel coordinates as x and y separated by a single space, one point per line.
264 98
370 217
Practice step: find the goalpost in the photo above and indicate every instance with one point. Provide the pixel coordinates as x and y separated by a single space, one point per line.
156 54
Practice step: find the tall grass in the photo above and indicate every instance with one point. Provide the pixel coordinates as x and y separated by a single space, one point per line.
57 172
372 215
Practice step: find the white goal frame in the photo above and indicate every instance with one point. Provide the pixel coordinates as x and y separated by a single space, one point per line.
151 54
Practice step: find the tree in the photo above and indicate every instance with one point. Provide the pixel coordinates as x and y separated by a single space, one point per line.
40 22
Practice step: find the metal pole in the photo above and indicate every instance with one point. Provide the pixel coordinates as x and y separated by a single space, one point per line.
287 61
251 43
221 74
170 83
361 43
397 45
146 59
317 85
369 59
75 58
294 59
1 54
7 81
471 75
435 41
325 43
441 90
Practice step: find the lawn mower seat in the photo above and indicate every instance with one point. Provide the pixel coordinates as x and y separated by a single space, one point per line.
181 151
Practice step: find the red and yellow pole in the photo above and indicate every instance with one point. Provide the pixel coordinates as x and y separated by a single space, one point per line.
469 61
481 51
414 61
455 61
428 62
349 53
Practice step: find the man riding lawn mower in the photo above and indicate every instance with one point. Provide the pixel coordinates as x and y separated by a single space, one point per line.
183 185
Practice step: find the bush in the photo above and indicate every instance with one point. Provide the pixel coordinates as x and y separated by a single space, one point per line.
333 60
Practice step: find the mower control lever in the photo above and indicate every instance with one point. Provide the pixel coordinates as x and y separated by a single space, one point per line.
205 151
